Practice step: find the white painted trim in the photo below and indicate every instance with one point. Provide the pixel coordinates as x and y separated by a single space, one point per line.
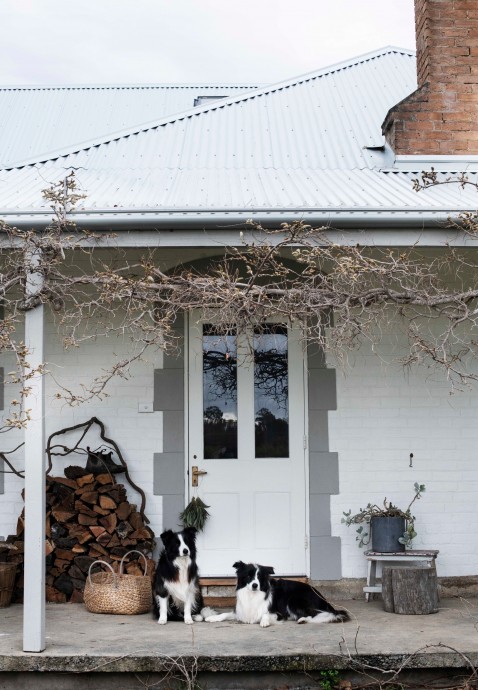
187 483
171 220
35 499
236 234
446 163
305 388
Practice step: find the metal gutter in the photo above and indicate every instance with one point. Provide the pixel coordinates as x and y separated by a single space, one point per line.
128 219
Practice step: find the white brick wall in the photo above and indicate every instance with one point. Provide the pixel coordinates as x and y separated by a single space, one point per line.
384 414
138 435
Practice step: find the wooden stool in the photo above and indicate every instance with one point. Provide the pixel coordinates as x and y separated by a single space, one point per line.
419 556
409 591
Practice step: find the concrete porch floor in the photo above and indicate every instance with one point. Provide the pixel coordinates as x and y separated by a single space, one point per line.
87 646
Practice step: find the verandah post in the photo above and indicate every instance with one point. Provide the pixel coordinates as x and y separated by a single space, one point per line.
34 563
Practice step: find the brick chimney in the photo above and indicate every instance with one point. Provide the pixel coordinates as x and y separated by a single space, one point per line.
441 116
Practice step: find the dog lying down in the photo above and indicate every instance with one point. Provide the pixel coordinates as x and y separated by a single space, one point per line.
260 599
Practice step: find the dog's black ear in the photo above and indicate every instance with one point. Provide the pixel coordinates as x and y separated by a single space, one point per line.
238 565
166 536
268 569
192 531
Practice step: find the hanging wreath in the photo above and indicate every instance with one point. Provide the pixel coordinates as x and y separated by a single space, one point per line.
195 514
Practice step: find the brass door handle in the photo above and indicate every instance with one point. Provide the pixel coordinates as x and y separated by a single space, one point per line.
196 472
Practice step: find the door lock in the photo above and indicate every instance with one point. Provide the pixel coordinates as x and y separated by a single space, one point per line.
196 473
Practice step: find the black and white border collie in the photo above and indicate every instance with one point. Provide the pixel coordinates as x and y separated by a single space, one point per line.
177 594
259 599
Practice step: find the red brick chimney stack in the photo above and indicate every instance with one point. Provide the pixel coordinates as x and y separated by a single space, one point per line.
441 116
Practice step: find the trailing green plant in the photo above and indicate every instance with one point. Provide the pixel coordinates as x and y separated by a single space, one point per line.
388 509
329 679
195 514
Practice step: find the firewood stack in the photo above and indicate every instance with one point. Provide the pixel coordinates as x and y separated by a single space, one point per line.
88 518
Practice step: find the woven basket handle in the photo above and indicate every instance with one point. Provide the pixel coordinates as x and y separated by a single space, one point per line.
103 563
141 554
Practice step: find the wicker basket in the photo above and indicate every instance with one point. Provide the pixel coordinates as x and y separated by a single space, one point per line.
7 580
110 592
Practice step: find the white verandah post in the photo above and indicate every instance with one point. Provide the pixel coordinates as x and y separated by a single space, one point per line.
35 499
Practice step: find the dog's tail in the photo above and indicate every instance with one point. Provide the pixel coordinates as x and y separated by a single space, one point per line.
326 613
207 611
331 616
340 616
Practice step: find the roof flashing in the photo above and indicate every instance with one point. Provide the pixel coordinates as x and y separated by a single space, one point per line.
450 164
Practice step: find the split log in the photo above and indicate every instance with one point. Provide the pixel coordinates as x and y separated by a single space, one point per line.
101 511
107 503
123 529
97 531
53 594
109 522
63 515
83 563
86 479
124 510
90 497
80 507
105 478
59 565
66 554
409 590
87 520
71 483
75 573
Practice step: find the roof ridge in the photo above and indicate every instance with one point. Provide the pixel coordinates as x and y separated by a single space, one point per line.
106 87
209 107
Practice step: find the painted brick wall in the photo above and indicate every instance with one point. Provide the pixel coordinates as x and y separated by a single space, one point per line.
138 435
440 117
383 414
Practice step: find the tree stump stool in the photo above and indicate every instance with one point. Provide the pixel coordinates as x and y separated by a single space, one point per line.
409 591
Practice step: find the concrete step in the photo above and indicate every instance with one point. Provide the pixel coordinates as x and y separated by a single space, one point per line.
219 592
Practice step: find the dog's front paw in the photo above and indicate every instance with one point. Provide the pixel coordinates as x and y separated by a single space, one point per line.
188 621
162 621
197 618
265 621
302 620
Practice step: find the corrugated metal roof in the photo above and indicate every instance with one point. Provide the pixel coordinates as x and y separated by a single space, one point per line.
298 146
324 119
35 121
280 190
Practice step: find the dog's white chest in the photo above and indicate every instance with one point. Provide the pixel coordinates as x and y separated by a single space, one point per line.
251 606
181 590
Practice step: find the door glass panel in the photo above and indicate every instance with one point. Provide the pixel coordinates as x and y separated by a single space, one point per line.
219 393
271 392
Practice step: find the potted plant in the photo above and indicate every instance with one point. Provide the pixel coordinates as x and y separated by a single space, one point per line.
391 528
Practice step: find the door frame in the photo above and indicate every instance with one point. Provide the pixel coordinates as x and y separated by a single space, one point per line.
306 454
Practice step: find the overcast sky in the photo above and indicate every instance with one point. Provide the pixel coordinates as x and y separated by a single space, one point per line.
161 41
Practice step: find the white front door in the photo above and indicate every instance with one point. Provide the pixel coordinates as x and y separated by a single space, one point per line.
246 422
